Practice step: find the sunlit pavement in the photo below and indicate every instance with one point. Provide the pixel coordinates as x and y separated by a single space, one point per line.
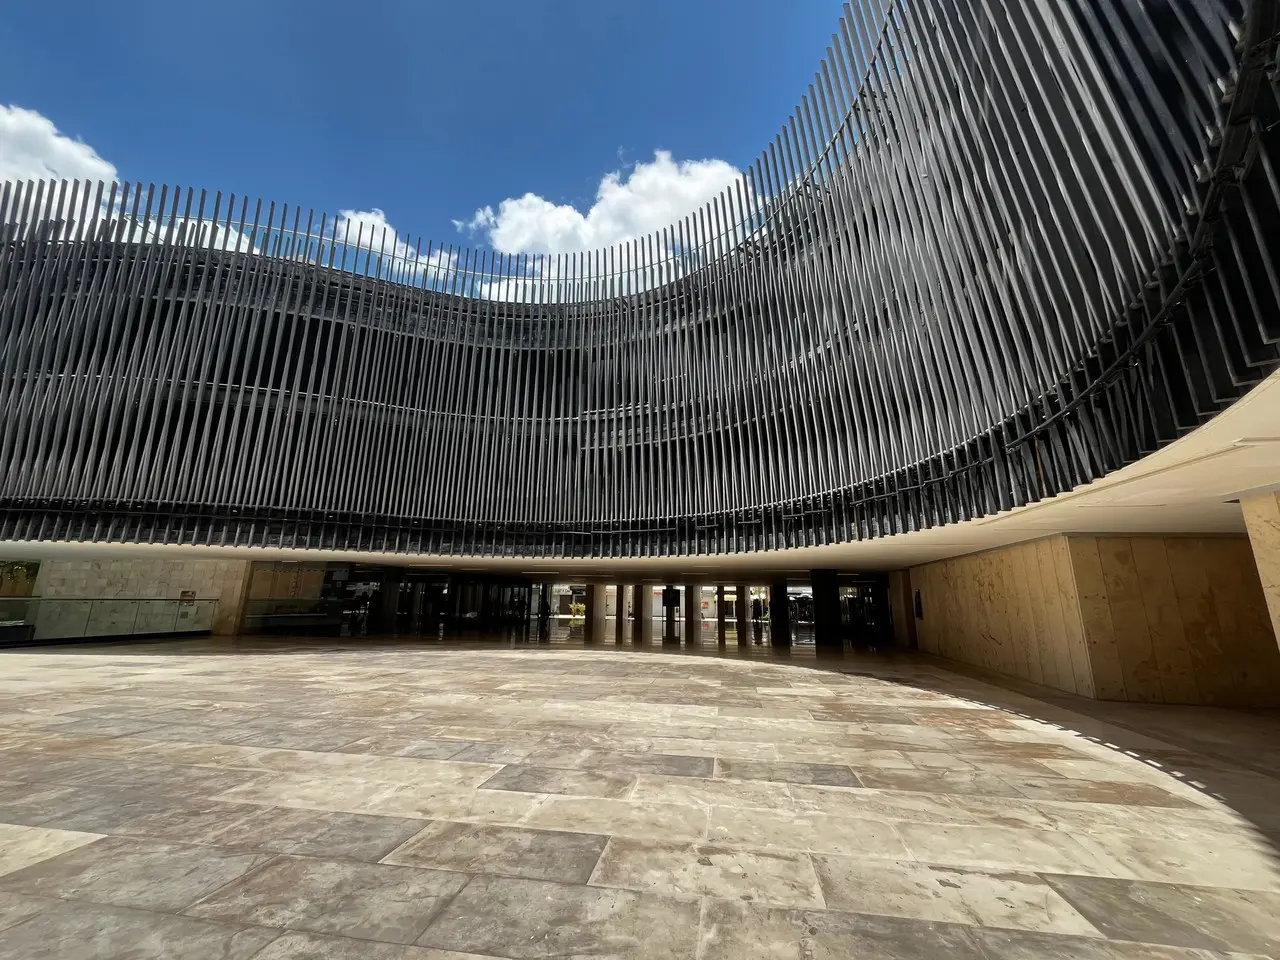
300 799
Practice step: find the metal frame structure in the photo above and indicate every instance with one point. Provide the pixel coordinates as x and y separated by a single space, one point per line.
1001 248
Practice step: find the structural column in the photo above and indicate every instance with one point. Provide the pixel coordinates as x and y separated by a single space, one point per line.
828 633
668 618
636 591
620 613
389 605
642 607
228 617
722 615
743 610
595 619
902 607
692 613
1262 518
779 615
544 611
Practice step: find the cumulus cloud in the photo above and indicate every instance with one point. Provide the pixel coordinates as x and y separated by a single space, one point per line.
534 240
628 206
166 230
651 196
32 148
369 232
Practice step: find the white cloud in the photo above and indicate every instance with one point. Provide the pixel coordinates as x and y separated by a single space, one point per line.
32 148
218 236
628 205
652 196
370 231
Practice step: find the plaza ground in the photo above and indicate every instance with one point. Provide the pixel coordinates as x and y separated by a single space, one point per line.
331 799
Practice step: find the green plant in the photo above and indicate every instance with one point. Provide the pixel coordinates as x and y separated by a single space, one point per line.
17 577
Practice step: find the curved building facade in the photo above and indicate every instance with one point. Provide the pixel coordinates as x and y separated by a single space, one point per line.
999 250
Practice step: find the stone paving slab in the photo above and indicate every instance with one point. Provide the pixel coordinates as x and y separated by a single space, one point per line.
331 801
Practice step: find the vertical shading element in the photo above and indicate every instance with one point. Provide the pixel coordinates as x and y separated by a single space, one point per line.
999 249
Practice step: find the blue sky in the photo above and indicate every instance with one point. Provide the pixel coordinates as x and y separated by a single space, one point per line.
429 111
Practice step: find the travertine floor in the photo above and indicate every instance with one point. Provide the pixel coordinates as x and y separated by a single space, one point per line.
312 801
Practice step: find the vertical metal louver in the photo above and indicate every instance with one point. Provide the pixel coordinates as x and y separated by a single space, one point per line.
1000 249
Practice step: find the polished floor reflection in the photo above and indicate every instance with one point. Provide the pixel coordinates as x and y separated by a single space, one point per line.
366 798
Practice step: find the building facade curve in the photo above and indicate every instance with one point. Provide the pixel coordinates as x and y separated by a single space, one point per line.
999 250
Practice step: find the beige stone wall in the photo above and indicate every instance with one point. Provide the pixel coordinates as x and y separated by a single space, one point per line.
1146 619
151 578
1176 620
901 602
1262 517
286 581
1013 611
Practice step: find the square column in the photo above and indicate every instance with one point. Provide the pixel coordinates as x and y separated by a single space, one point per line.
828 632
722 615
594 628
668 617
1262 519
642 609
544 604
620 613
692 613
743 611
779 615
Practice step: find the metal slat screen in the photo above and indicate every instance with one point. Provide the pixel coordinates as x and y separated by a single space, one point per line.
1000 249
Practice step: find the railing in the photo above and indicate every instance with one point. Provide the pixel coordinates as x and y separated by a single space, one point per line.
37 619
290 614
